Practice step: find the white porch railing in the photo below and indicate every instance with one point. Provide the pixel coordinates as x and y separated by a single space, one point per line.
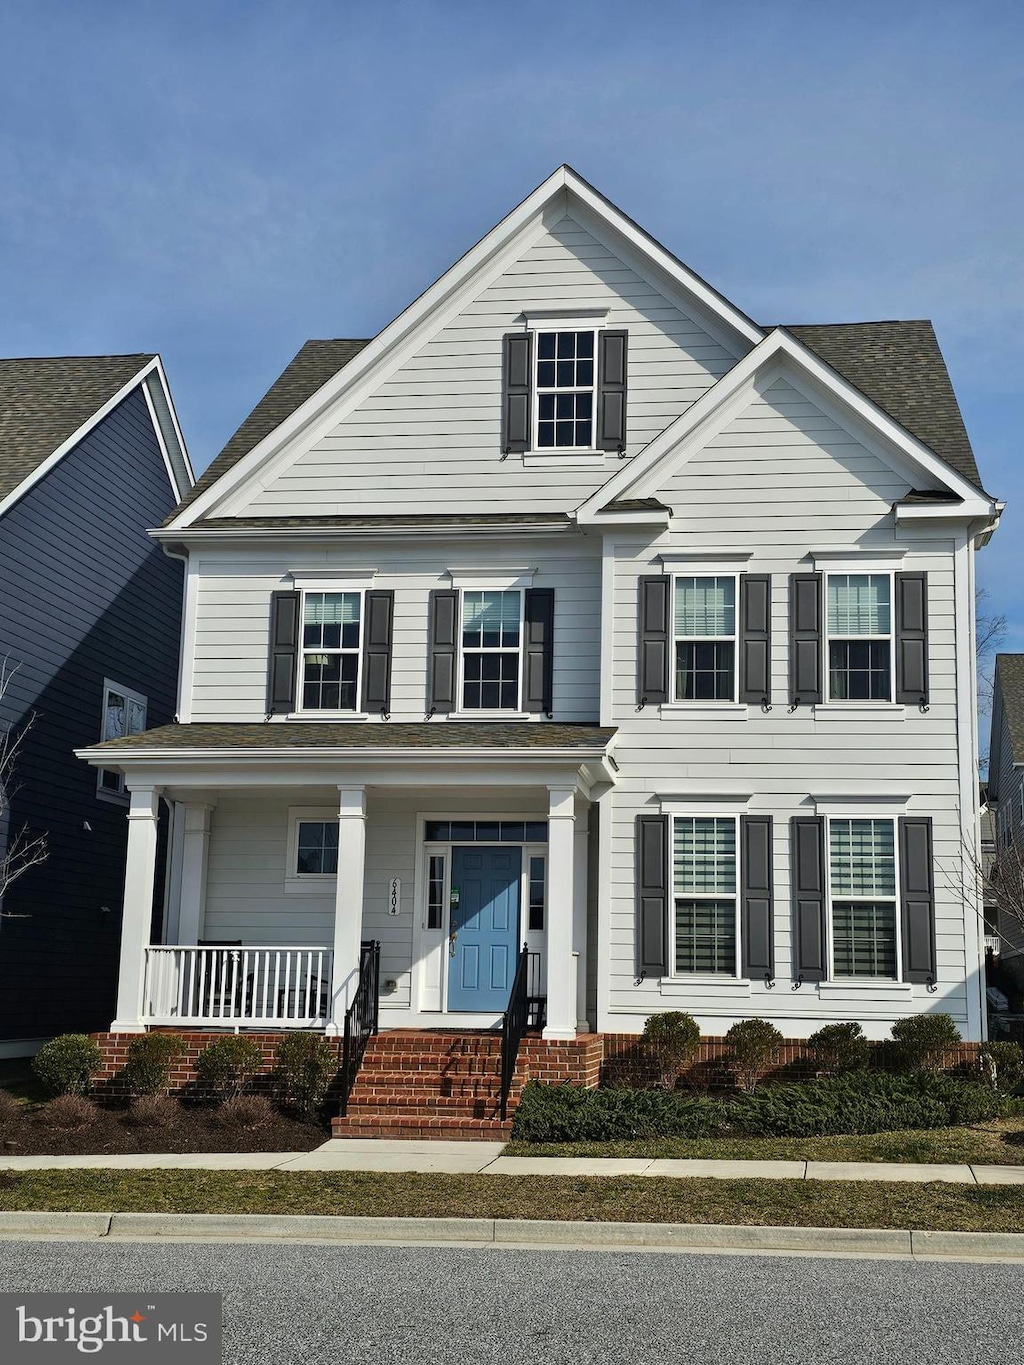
238 987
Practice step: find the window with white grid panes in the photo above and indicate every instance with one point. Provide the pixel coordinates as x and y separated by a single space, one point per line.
317 849
566 376
331 639
858 623
862 890
704 880
124 713
492 632
704 631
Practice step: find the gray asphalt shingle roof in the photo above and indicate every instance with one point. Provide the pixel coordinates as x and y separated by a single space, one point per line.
45 399
1010 686
436 734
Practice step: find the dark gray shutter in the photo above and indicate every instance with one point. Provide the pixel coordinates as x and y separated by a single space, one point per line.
805 662
651 894
444 615
284 650
655 605
807 869
755 637
756 919
611 390
517 376
912 638
917 894
538 627
377 628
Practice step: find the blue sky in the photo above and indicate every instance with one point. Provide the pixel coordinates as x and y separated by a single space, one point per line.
219 181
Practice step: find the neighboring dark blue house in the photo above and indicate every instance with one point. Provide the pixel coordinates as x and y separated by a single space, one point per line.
91 456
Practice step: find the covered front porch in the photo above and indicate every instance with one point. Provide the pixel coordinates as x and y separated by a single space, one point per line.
453 848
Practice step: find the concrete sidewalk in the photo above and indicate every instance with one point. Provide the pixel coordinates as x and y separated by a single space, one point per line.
484 1158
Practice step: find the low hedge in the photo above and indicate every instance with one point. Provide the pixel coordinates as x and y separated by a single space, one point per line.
864 1103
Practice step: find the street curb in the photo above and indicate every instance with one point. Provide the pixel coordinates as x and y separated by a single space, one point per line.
509 1232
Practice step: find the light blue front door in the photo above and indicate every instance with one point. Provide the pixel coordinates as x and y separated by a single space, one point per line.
485 921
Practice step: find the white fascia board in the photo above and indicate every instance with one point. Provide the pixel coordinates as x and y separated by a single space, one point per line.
444 298
780 355
41 471
184 477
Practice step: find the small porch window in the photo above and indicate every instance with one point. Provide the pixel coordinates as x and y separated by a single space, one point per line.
312 858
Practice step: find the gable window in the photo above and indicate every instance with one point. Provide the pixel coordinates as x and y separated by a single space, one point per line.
704 879
491 650
704 627
124 713
565 378
862 890
331 646
859 636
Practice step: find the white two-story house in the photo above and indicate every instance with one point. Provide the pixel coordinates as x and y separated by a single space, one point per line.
573 610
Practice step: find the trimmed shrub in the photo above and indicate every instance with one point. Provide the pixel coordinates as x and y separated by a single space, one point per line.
840 1048
11 1110
226 1067
305 1067
66 1064
70 1112
1002 1065
151 1111
672 1039
755 1048
150 1058
921 1042
245 1112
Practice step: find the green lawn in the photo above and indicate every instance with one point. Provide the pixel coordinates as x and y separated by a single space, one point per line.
996 1143
633 1199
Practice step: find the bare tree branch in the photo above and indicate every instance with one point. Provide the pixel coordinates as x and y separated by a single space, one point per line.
989 633
23 848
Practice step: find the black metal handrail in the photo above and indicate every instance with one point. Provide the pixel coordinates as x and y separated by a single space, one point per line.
513 1025
361 1018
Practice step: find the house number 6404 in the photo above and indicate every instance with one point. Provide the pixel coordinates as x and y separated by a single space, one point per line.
395 896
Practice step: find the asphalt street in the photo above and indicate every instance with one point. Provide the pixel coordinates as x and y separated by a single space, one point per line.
421 1305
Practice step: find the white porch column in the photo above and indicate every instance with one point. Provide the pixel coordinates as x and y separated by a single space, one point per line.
348 903
561 982
137 915
579 912
194 858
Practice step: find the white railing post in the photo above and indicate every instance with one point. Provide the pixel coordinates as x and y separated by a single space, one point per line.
137 912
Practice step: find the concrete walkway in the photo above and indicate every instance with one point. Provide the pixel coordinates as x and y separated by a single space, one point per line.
484 1158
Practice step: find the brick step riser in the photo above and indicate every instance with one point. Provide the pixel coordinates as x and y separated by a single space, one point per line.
412 1070
429 1085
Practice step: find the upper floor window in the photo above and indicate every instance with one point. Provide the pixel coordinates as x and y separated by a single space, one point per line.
858 623
862 886
124 713
331 648
491 650
704 877
565 378
705 638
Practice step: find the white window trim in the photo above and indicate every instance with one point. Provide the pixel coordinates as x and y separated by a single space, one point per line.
327 580
538 323
462 710
310 883
119 796
722 705
845 703
703 978
491 580
863 982
302 712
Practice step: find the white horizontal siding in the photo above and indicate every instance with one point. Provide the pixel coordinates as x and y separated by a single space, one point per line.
430 436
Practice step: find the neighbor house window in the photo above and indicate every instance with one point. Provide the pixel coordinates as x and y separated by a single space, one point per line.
124 713
331 630
704 884
704 628
859 626
862 882
491 640
566 376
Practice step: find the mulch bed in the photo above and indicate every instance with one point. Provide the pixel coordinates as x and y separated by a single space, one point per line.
193 1130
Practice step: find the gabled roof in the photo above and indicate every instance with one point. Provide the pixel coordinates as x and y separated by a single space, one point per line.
1010 688
899 366
45 400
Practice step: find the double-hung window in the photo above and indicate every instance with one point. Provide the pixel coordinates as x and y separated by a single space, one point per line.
862 891
492 633
124 713
859 636
566 375
704 630
331 648
704 879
